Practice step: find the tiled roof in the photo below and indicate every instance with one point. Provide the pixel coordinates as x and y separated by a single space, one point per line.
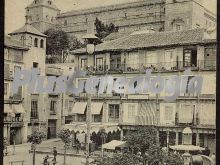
27 28
151 40
110 7
116 35
9 42
44 3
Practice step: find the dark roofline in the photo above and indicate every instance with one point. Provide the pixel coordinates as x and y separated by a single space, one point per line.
108 8
28 33
206 41
16 47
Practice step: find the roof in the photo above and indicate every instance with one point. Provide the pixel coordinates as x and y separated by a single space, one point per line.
113 144
109 7
44 3
27 28
152 40
116 35
9 42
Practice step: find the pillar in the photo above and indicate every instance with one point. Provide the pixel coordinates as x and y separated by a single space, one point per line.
158 137
168 135
8 133
197 139
122 134
177 138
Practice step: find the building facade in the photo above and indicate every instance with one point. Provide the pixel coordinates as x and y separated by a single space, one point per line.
167 56
159 15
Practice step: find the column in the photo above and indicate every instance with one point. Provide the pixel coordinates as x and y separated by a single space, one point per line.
197 139
158 137
177 138
8 132
122 134
168 135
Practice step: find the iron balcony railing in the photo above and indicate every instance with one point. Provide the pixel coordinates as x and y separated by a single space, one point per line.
156 67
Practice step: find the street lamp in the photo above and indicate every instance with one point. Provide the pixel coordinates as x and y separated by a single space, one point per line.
90 40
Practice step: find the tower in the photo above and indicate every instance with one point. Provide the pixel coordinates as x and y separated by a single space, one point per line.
187 14
42 14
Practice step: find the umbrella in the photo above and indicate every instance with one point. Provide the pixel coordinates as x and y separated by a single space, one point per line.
187 147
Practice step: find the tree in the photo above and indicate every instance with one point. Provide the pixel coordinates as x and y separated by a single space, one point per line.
104 30
144 150
65 136
119 159
58 45
142 139
36 138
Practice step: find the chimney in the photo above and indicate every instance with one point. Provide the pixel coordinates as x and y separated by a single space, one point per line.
90 26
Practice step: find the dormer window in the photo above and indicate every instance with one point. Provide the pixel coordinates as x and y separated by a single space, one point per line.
35 42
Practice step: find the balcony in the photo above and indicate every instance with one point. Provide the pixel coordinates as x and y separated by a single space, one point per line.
156 67
53 71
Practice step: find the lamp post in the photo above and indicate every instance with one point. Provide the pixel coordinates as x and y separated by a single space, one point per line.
90 40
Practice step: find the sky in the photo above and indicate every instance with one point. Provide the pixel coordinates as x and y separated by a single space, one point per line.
15 9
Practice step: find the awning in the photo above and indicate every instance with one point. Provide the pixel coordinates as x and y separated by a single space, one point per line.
96 108
113 144
82 127
186 114
183 147
79 108
147 114
18 108
8 108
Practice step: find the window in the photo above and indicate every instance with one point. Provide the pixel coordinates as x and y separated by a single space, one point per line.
37 17
65 23
52 19
30 40
131 111
99 63
49 2
34 109
114 112
53 104
36 42
17 68
83 63
168 114
210 58
178 27
5 89
35 65
66 103
70 105
42 43
190 57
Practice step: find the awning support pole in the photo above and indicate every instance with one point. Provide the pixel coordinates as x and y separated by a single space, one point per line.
88 127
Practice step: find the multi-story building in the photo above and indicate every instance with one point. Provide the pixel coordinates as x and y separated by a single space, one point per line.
14 113
57 105
167 54
24 49
159 15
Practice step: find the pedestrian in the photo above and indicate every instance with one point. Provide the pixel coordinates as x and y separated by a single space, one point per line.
46 160
77 147
55 153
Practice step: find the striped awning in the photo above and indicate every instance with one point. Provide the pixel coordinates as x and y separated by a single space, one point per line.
79 108
147 114
82 127
96 108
